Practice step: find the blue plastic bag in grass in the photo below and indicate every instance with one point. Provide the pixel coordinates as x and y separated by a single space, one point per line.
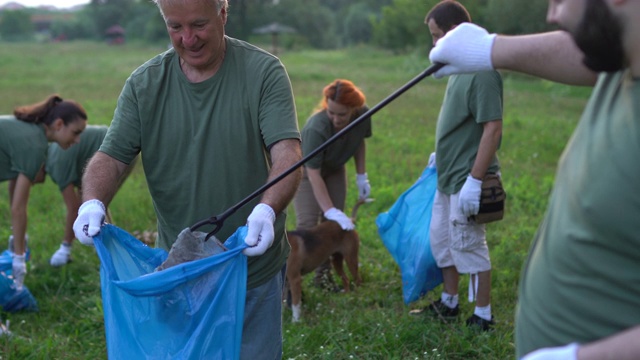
404 230
12 300
193 310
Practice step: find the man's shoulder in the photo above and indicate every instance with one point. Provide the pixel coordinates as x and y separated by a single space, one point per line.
157 63
250 55
237 45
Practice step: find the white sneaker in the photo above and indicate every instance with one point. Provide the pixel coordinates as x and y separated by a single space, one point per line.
62 256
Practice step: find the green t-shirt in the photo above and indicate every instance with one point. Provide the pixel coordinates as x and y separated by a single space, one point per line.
23 148
470 100
65 167
204 146
581 281
319 129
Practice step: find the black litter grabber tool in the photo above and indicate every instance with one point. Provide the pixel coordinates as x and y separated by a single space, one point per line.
218 220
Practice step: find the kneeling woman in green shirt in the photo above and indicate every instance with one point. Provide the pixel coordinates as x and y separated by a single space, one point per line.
323 188
24 140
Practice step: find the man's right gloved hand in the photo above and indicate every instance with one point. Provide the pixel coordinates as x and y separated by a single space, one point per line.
90 218
432 160
338 216
465 49
567 352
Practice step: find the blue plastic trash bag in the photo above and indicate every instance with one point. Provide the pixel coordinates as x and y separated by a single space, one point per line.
404 230
192 310
12 300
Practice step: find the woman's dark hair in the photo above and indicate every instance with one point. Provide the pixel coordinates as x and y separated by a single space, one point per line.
50 109
447 14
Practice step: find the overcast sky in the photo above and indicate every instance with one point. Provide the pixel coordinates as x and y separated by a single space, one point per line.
56 3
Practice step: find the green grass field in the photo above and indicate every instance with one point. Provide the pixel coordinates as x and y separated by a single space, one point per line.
370 323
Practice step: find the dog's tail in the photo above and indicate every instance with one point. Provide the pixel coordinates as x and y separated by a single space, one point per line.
356 206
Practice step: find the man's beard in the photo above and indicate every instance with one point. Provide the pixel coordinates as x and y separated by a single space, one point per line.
599 36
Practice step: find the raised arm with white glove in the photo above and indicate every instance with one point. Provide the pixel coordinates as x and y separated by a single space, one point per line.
260 231
364 188
338 216
91 215
465 49
469 199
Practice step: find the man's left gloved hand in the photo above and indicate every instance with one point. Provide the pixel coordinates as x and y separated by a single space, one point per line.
567 352
260 231
19 270
364 189
469 199
91 215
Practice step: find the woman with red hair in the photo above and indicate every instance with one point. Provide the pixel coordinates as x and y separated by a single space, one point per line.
323 187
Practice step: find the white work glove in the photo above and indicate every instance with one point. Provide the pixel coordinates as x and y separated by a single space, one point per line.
432 160
465 49
18 270
259 230
364 189
90 218
469 199
338 216
567 352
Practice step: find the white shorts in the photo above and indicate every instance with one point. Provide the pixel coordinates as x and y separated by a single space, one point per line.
456 241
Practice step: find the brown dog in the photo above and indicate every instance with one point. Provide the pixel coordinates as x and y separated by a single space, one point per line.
312 247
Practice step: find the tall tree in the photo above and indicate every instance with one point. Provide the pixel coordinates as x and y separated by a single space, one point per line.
517 16
357 26
16 26
106 13
401 25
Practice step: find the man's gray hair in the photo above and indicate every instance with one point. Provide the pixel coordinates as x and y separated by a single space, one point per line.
220 4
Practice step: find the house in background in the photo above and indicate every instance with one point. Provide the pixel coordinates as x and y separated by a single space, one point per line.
115 35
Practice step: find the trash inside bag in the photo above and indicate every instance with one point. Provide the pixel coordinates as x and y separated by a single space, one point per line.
12 300
190 310
190 246
404 230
